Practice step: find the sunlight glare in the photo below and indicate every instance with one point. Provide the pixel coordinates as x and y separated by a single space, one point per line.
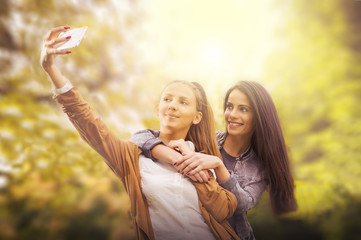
213 55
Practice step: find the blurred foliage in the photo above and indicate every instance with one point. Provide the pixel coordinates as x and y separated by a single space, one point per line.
315 80
53 186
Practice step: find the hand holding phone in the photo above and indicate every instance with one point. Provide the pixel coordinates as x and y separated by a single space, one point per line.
76 36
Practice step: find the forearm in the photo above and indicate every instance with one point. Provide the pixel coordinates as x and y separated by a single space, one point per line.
222 173
57 79
166 154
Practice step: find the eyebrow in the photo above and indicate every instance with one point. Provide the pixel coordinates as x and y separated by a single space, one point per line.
240 105
181 97
184 98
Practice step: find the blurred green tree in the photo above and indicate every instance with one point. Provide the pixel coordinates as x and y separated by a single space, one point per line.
315 79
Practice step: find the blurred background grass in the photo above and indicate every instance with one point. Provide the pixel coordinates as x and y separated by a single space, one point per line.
306 53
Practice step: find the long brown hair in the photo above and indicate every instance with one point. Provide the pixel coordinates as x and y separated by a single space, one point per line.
269 145
203 134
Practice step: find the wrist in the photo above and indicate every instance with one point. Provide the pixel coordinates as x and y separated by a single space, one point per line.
222 172
176 157
219 163
50 69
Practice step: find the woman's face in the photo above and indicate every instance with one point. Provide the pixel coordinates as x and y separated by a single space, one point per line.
238 114
177 109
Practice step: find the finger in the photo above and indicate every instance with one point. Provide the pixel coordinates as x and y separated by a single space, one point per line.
194 171
184 158
55 32
176 145
199 178
171 144
193 178
190 167
51 51
55 41
183 165
204 175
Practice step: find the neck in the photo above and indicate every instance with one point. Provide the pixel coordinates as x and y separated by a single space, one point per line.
167 136
236 145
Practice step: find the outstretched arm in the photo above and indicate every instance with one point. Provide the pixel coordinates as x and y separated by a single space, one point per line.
119 155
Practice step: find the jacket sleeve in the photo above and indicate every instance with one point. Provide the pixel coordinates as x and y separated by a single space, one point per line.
248 195
219 202
118 154
146 140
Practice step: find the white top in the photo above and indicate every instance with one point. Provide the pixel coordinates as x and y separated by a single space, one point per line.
173 202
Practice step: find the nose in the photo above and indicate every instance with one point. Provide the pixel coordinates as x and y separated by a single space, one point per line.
172 105
233 114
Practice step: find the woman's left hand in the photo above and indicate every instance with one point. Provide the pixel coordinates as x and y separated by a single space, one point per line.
193 163
181 146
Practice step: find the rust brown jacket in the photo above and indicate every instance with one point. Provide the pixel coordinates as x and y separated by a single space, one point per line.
216 203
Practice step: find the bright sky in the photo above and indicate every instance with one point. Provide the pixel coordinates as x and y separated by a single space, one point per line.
214 42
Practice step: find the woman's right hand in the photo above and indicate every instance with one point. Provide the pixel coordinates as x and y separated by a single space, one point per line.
49 52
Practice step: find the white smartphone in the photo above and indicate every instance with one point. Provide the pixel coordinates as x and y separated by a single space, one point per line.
76 35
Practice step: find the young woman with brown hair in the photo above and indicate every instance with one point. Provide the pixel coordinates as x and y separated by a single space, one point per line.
164 204
252 148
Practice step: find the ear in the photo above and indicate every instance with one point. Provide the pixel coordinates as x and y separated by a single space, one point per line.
197 119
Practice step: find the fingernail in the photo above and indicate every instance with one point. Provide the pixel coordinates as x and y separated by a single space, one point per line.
187 173
175 164
68 37
66 27
182 173
178 171
209 179
68 52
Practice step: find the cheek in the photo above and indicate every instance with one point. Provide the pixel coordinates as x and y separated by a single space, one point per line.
226 115
251 121
160 110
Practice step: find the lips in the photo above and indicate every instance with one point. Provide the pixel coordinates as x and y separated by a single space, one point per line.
234 124
172 116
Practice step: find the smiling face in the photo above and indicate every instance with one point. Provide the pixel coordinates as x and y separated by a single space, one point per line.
177 110
239 115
